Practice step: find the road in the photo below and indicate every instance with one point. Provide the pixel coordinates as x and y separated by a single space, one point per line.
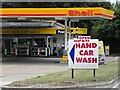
113 84
14 69
20 68
116 85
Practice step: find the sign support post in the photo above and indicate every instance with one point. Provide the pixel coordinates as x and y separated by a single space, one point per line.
72 73
94 72
70 38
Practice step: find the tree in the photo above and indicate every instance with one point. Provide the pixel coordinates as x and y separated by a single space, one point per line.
108 31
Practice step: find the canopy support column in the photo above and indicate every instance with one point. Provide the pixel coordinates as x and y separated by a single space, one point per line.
69 29
66 35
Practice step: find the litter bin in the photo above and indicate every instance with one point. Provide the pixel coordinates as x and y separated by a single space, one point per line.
64 58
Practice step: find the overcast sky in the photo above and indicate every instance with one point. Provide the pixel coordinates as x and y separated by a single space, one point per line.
113 1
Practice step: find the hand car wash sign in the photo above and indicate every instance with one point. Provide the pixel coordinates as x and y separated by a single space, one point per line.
83 53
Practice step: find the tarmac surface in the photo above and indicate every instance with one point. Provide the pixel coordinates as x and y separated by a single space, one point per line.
113 84
20 68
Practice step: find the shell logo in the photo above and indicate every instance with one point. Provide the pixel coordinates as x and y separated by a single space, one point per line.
80 13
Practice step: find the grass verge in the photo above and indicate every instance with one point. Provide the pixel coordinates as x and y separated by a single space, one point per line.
104 73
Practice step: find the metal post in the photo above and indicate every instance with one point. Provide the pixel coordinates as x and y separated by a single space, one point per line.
47 41
66 34
11 41
72 73
69 29
32 43
94 72
70 38
47 46
16 51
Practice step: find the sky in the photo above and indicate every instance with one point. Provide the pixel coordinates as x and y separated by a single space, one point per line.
112 1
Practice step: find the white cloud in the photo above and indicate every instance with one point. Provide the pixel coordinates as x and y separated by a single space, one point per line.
112 1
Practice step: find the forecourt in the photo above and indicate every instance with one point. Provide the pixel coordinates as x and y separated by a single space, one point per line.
66 14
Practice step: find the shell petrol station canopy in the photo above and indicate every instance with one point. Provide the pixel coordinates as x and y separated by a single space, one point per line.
58 13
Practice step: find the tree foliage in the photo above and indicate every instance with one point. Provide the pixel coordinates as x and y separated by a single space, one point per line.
109 31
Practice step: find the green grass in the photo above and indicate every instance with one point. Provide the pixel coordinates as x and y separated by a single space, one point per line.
105 72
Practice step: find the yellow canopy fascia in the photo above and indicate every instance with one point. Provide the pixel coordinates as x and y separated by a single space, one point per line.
97 12
39 30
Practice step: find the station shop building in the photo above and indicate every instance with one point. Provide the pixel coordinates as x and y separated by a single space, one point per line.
44 38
